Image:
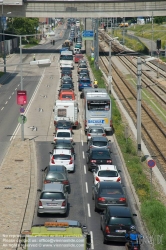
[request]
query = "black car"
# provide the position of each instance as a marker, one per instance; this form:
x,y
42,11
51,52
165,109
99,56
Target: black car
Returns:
x,y
83,75
66,72
63,124
67,86
63,144
56,174
98,156
66,80
84,70
115,222
107,193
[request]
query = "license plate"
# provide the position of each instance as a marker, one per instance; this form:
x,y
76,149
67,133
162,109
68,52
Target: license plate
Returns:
x,y
113,202
120,231
52,204
107,180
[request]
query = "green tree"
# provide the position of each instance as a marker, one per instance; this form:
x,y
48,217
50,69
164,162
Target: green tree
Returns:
x,y
159,19
22,25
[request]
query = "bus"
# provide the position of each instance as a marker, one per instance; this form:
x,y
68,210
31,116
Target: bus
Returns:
x,y
66,58
97,109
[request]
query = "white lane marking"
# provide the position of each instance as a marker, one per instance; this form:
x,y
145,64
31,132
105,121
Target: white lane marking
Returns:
x,y
29,104
81,131
9,97
15,88
86,185
13,93
82,143
2,108
92,244
89,214
83,155
6,102
84,169
18,85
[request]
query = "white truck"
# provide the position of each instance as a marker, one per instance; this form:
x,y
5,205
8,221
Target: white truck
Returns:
x,y
66,110
66,58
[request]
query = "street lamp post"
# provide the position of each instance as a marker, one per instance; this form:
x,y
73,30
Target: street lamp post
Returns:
x,y
110,66
3,37
139,87
152,37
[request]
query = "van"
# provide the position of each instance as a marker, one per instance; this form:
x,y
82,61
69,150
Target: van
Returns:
x,y
76,50
77,57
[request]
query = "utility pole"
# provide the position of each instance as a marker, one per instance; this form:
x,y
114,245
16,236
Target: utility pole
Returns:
x,y
123,29
96,45
152,37
139,73
109,72
4,54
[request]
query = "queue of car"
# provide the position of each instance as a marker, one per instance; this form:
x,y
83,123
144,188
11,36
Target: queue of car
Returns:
x,y
107,190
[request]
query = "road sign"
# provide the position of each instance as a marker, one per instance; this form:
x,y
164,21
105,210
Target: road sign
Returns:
x,y
87,33
22,119
21,97
151,163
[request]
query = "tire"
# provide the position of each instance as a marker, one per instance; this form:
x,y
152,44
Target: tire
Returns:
x,y
92,196
104,240
38,214
96,209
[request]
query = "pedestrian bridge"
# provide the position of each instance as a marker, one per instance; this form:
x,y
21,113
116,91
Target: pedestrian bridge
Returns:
x,y
84,8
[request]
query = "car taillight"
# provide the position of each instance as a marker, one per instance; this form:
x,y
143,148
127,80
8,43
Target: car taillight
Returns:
x,y
110,123
119,179
88,134
54,139
109,161
93,161
101,199
122,199
135,248
63,203
104,134
54,122
47,181
52,160
40,204
71,161
97,179
71,140
107,230
85,123
65,182
76,123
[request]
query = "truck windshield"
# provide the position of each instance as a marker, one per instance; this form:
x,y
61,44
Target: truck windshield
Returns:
x,y
66,57
98,105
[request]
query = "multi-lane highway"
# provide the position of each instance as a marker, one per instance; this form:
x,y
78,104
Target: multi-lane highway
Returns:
x,y
42,86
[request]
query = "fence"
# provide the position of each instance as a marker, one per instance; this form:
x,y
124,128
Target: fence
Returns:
x,y
10,46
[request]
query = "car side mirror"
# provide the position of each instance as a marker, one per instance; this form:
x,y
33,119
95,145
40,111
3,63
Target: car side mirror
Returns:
x,y
53,110
78,111
73,143
134,214
53,133
38,190
101,213
119,170
109,140
50,153
53,143
93,170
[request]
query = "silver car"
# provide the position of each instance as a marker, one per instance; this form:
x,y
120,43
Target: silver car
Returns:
x,y
99,142
53,199
95,131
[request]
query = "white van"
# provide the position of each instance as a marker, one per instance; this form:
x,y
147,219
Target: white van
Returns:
x,y
76,50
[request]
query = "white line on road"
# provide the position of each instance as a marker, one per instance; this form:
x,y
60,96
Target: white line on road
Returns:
x,y
9,97
6,102
84,169
13,93
15,88
86,185
83,155
2,108
89,214
18,85
92,244
82,143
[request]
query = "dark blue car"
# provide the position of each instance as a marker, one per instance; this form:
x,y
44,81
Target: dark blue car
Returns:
x,y
84,83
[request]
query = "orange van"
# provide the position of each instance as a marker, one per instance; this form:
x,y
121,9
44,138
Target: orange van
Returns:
x,y
66,95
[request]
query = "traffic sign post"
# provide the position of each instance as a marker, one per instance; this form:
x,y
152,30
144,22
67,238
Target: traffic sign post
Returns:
x,y
87,35
151,164
22,100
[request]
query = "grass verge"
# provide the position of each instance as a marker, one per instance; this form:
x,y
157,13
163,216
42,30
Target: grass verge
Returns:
x,y
153,212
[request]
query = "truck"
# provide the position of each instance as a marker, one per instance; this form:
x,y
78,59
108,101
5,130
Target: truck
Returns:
x,y
59,235
66,110
66,58
97,109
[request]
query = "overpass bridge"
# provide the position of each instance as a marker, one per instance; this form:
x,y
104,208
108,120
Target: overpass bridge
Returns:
x,y
83,8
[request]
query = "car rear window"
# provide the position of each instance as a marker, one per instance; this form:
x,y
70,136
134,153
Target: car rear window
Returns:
x,y
121,221
107,173
99,131
101,155
100,143
63,145
52,196
111,191
55,176
63,124
62,157
63,134
67,96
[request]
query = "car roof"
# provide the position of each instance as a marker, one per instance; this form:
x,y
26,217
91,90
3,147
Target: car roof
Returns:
x,y
99,138
62,151
63,130
100,149
58,168
119,211
95,127
67,91
110,184
54,187
107,167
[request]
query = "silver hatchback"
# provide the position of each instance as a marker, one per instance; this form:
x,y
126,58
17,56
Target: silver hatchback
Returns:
x,y
95,131
99,142
53,199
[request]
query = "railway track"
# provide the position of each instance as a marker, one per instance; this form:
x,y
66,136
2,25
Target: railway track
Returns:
x,y
153,130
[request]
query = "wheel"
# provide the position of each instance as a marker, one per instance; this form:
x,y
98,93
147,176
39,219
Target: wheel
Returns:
x,y
92,196
38,214
96,209
104,240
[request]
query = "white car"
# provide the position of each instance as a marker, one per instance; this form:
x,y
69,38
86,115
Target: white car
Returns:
x,y
62,157
64,134
106,173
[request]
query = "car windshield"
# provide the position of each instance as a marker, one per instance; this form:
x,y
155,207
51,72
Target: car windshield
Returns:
x,y
100,155
63,134
52,196
98,130
67,96
107,173
63,145
55,176
100,143
121,221
66,86
61,157
112,191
